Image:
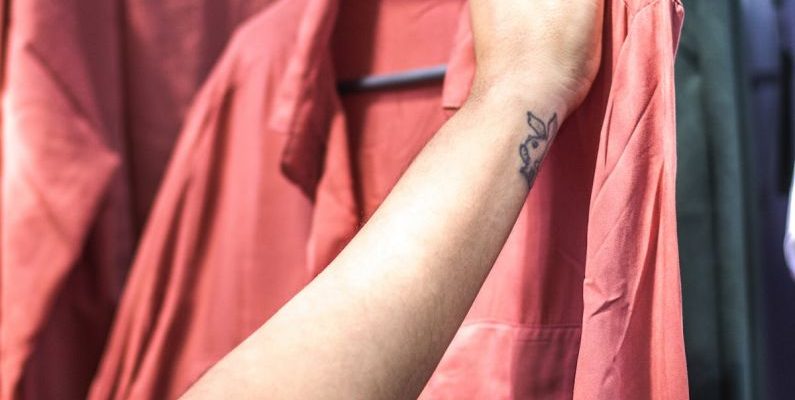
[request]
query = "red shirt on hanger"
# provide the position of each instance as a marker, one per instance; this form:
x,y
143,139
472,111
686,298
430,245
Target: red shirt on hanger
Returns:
x,y
94,93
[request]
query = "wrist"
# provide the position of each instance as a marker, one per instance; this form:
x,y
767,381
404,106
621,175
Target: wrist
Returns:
x,y
521,94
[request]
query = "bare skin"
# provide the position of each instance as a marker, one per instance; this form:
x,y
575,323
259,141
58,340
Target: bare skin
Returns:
x,y
376,322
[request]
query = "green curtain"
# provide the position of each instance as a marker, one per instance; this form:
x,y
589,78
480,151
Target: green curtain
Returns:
x,y
712,203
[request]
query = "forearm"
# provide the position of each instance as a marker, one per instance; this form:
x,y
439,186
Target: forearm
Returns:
x,y
375,323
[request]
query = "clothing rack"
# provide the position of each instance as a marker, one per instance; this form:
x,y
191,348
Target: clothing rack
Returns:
x,y
393,80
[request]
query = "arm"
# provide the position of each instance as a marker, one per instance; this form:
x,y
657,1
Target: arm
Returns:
x,y
376,322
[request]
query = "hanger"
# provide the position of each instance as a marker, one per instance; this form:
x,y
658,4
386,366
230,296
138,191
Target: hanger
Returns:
x,y
393,80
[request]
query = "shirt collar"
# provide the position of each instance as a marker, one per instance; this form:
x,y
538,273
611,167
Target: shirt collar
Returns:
x,y
307,100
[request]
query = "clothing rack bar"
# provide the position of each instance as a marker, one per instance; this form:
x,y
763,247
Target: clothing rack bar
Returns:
x,y
393,80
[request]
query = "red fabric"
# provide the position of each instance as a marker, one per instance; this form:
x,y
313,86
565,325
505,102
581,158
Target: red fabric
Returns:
x,y
61,145
584,300
169,47
225,244
94,92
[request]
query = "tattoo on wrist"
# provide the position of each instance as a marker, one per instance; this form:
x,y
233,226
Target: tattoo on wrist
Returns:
x,y
534,146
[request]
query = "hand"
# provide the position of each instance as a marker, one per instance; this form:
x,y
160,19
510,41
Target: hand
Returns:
x,y
546,47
